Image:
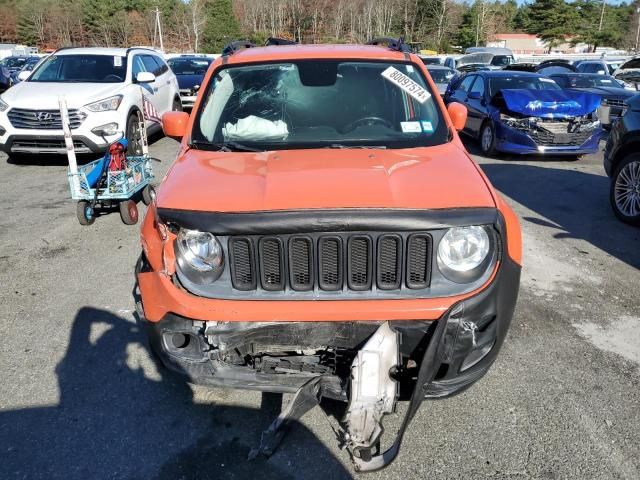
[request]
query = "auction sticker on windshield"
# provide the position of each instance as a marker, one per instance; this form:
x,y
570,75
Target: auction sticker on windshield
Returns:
x,y
398,78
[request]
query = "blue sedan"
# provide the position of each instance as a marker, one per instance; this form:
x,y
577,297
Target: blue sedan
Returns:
x,y
526,113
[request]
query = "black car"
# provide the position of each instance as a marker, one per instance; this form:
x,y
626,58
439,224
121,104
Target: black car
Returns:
x,y
611,91
622,164
5,78
28,66
190,71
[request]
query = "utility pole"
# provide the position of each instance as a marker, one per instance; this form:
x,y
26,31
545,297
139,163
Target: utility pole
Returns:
x,y
158,28
604,2
638,29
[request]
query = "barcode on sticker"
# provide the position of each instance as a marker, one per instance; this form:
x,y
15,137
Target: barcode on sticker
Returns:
x,y
398,78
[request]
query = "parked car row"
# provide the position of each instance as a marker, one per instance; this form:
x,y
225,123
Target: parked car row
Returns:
x,y
554,107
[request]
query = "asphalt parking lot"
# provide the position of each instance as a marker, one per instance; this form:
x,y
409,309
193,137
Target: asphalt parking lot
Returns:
x,y
80,397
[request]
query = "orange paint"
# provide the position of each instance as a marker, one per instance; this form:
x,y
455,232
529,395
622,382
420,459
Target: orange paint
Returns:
x,y
420,178
439,177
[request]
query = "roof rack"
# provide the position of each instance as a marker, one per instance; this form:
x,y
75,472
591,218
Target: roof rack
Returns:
x,y
396,44
233,47
279,41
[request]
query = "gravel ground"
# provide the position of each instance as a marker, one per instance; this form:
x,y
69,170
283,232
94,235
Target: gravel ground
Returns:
x,y
81,398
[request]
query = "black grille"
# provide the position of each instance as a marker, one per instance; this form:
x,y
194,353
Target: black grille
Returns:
x,y
359,263
43,119
301,263
418,261
389,262
615,102
46,144
331,262
271,264
243,274
547,138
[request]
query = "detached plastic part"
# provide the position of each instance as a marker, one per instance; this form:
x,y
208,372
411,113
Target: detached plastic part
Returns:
x,y
373,392
426,374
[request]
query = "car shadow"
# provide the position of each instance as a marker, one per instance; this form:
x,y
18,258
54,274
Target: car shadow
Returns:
x,y
573,204
118,417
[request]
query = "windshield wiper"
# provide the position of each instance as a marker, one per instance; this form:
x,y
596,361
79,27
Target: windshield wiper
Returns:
x,y
224,146
340,145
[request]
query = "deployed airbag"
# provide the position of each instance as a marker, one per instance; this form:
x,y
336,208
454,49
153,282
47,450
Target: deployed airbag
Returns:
x,y
550,103
255,128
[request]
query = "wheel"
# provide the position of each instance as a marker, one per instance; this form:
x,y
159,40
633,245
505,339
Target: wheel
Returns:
x,y
148,194
177,105
624,193
488,139
134,135
85,212
129,212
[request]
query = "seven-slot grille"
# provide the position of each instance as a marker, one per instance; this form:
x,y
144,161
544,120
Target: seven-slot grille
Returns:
x,y
43,119
331,262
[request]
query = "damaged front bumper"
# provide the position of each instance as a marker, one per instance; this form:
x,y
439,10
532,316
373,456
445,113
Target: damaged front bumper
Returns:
x,y
519,142
412,359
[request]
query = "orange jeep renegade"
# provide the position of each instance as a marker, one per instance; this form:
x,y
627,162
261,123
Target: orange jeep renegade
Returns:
x,y
324,232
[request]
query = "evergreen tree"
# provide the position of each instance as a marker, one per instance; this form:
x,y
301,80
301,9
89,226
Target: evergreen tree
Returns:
x,y
221,27
552,20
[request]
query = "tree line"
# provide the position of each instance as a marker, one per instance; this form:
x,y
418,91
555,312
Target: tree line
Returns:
x,y
207,25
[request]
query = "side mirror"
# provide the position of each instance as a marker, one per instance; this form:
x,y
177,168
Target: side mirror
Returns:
x,y
458,115
145,77
174,124
474,96
23,75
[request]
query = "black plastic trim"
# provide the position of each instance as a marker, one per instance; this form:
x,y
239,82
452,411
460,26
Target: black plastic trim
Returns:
x,y
367,285
272,287
429,262
337,220
326,286
300,287
399,255
252,264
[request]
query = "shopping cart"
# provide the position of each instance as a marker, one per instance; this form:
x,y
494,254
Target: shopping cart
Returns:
x,y
109,181
95,186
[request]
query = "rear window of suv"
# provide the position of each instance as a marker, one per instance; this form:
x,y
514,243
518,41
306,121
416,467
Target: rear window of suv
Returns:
x,y
311,104
81,69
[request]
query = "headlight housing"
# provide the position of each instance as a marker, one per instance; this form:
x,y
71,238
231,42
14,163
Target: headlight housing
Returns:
x,y
464,253
199,255
111,103
3,105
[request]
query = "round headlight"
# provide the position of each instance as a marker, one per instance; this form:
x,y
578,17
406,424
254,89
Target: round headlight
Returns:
x,y
463,249
200,255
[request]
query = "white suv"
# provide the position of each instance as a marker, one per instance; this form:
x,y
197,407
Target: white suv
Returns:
x,y
106,90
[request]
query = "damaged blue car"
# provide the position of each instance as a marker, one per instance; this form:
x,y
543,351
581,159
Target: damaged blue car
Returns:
x,y
526,113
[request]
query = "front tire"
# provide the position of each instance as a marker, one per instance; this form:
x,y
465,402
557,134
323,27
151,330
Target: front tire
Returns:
x,y
129,212
488,139
85,213
624,193
148,194
134,135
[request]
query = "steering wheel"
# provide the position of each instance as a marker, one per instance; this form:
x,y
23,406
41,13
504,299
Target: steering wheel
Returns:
x,y
371,120
112,77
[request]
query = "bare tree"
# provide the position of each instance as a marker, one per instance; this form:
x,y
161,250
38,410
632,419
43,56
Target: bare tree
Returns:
x,y
198,21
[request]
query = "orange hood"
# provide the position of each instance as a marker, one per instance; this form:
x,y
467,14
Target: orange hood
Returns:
x,y
421,178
